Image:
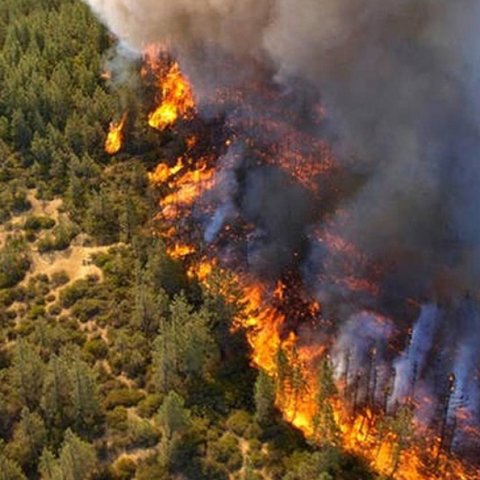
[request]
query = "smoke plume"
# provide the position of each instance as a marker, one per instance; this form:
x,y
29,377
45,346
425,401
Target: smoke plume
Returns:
x,y
399,79
400,83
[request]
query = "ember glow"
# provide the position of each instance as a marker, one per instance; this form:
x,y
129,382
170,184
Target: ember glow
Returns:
x,y
114,140
203,224
330,166
175,96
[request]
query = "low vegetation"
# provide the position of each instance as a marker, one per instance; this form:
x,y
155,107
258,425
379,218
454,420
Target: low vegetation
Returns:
x,y
129,371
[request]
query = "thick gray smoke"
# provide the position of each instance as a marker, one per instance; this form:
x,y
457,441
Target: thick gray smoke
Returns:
x,y
400,81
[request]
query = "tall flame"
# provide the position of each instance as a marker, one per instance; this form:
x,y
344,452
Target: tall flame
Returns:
x,y
176,99
184,182
114,140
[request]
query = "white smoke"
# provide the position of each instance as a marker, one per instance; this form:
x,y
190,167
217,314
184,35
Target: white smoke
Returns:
x,y
410,365
400,81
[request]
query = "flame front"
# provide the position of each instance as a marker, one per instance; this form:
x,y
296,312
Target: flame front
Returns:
x,y
114,141
192,175
176,99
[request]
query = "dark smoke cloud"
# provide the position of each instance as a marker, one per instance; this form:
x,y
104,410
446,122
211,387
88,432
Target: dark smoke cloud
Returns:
x,y
400,80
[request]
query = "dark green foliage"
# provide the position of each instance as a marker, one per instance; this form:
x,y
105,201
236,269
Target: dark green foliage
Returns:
x,y
97,348
27,373
50,57
264,398
326,428
327,464
137,372
184,348
226,451
9,470
124,397
34,223
239,422
79,290
59,239
14,262
76,460
29,438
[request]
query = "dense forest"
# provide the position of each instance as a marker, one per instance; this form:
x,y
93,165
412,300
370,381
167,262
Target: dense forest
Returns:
x,y
114,363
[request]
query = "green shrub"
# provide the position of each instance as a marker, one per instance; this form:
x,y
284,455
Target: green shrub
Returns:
x,y
239,421
36,223
59,239
7,297
124,397
97,348
55,309
73,293
226,451
117,419
124,469
141,433
87,308
59,278
14,262
36,311
150,405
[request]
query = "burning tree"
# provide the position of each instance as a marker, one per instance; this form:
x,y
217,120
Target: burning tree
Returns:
x,y
400,428
326,429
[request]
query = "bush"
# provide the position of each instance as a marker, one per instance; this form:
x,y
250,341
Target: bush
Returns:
x,y
14,262
226,451
34,223
59,239
150,405
97,348
124,397
60,278
78,290
124,469
36,311
141,433
239,421
117,419
55,309
87,308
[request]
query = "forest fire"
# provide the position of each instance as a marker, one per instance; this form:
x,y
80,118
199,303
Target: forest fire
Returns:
x,y
376,404
175,95
114,140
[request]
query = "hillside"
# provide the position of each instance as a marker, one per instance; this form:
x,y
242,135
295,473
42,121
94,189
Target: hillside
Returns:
x,y
115,362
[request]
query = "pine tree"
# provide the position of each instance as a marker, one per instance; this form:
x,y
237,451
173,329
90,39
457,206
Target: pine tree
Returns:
x,y
264,398
77,460
27,374
29,438
57,391
184,347
9,470
298,382
283,376
325,425
400,425
85,399
173,419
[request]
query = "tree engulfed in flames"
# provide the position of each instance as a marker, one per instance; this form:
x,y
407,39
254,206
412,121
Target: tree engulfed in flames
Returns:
x,y
176,99
185,182
114,140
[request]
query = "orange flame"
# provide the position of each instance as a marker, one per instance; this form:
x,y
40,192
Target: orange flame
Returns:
x,y
114,141
176,99
185,182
